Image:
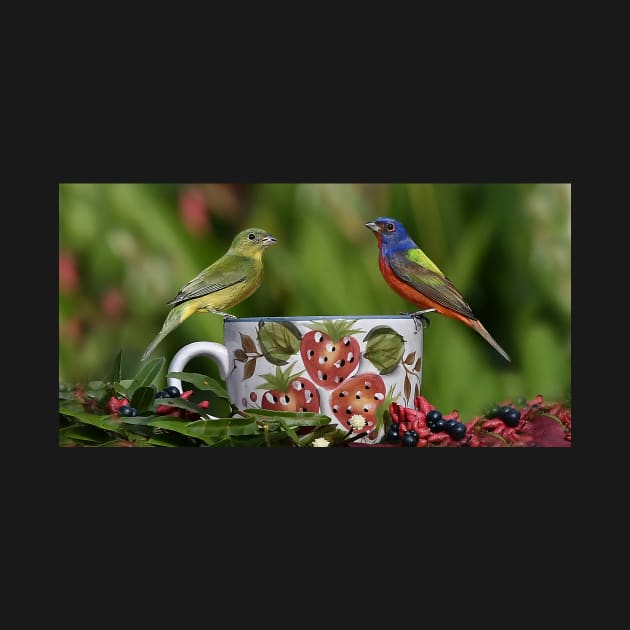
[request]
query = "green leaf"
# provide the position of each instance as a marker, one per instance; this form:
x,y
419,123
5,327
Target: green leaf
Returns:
x,y
336,329
201,381
228,441
279,341
122,387
290,432
143,397
320,432
280,380
180,403
108,423
146,375
293,418
383,417
116,373
170,439
384,348
139,439
139,430
138,420
208,430
82,432
64,441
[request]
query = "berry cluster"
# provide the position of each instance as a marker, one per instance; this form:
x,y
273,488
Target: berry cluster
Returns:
x,y
532,424
519,423
122,407
424,426
510,416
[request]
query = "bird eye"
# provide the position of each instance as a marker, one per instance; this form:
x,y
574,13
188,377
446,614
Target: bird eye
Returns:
x,y
251,236
390,227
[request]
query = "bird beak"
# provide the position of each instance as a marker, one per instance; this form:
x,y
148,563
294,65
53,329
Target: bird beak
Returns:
x,y
269,240
373,226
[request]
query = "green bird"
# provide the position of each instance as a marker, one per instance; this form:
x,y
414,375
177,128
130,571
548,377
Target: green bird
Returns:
x,y
225,283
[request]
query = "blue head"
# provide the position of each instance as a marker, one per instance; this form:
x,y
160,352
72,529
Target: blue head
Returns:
x,y
391,235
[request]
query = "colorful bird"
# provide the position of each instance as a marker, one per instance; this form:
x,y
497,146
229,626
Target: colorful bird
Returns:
x,y
415,277
225,283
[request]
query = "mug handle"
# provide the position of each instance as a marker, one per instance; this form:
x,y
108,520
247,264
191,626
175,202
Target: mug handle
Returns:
x,y
216,351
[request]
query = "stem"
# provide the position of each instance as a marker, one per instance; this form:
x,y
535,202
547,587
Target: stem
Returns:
x,y
497,435
346,440
266,430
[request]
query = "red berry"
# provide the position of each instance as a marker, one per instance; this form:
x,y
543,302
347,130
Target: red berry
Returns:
x,y
114,404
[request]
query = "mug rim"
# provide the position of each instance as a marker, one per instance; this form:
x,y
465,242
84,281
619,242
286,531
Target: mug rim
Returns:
x,y
310,318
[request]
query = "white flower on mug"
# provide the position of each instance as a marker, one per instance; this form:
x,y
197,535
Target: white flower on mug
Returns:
x,y
321,442
357,422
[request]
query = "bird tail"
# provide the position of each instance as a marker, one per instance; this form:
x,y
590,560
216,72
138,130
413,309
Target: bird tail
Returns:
x,y
476,325
175,317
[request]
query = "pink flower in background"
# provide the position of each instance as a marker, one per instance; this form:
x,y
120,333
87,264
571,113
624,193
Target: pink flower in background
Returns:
x,y
194,212
68,273
113,303
71,329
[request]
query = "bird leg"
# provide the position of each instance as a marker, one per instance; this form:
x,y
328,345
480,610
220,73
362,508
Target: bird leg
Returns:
x,y
419,315
226,315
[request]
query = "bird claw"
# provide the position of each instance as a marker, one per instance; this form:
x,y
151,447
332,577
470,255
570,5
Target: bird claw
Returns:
x,y
419,315
224,315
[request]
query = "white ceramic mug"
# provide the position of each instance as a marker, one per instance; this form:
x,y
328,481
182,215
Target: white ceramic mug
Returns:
x,y
343,366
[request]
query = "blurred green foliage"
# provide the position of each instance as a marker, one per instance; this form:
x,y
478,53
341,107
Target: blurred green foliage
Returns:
x,y
126,249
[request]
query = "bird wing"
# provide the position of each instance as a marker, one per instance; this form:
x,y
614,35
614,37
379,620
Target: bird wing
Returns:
x,y
223,273
435,286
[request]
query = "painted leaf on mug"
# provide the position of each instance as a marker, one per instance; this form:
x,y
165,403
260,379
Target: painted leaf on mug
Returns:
x,y
249,345
411,374
249,369
278,341
384,348
248,355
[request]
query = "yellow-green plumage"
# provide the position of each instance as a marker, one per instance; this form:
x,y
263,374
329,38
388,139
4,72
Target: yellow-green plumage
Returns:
x,y
225,283
420,258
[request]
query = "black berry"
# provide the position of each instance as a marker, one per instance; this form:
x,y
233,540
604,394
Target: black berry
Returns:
x,y
503,411
432,416
409,439
126,410
449,424
172,391
393,433
511,417
438,425
493,413
457,431
162,394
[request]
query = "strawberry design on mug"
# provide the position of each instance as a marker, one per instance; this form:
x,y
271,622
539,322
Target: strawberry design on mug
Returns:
x,y
361,395
289,392
330,353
